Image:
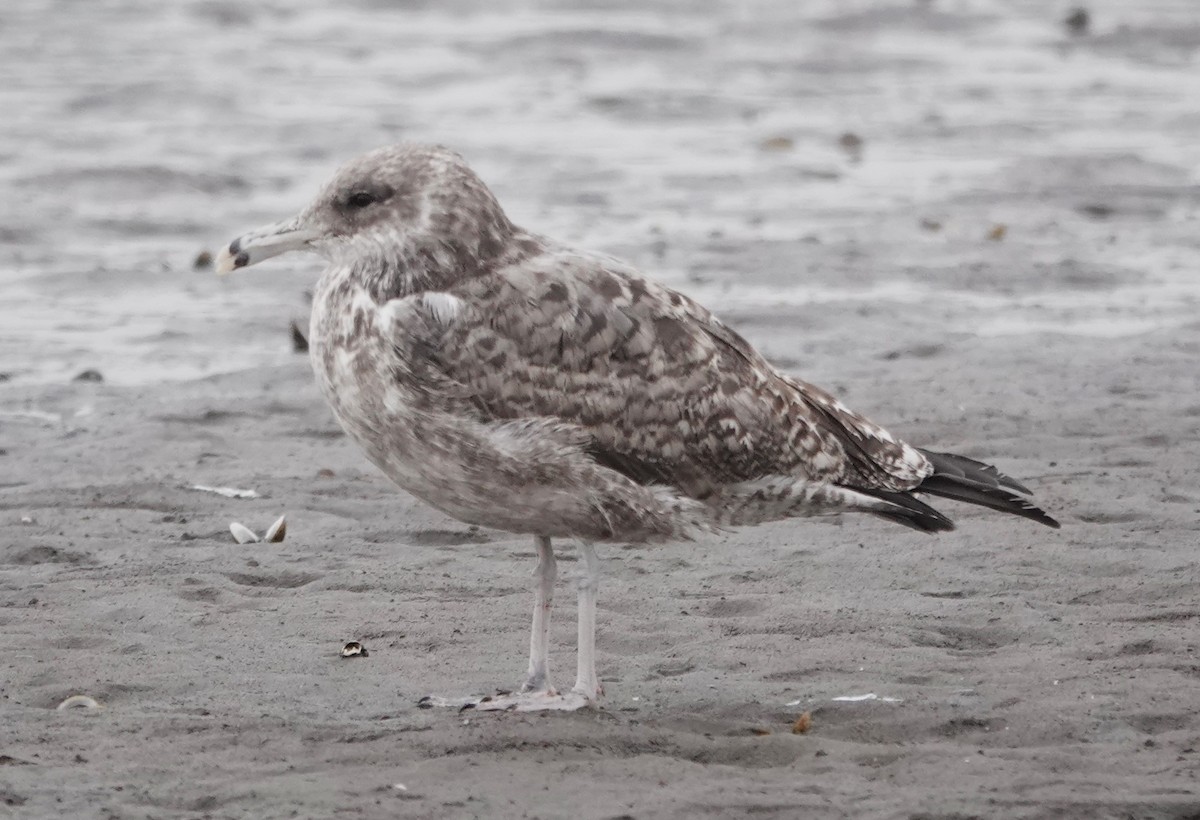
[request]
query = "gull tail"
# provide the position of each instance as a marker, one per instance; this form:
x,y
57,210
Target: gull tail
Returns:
x,y
961,479
964,479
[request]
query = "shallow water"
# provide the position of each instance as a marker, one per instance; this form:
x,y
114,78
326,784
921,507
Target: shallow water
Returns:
x,y
705,147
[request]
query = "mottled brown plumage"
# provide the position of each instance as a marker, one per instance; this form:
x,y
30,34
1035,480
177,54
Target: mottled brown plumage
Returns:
x,y
519,384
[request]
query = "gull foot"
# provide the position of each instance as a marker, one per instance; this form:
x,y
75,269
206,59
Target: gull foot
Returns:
x,y
546,700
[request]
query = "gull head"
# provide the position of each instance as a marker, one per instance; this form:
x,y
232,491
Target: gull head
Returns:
x,y
409,211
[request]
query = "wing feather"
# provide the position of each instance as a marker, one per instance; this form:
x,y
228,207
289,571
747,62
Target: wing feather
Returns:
x,y
665,392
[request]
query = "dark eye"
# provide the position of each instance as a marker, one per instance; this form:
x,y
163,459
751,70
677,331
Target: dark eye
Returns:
x,y
360,199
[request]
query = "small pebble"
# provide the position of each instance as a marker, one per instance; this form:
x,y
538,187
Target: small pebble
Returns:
x,y
1078,22
203,260
299,340
89,376
1096,210
852,144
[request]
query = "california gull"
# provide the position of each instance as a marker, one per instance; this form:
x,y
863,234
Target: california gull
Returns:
x,y
517,383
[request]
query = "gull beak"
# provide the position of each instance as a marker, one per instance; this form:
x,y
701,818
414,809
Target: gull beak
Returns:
x,y
263,243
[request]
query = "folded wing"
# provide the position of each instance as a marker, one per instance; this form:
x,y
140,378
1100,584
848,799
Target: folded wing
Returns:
x,y
665,392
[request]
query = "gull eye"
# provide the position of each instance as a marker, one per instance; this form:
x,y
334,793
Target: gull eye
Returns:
x,y
360,199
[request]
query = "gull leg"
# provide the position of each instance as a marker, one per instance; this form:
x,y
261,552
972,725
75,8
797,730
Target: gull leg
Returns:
x,y
537,694
539,639
587,684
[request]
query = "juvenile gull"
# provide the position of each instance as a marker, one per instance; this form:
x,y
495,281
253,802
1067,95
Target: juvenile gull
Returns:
x,y
516,383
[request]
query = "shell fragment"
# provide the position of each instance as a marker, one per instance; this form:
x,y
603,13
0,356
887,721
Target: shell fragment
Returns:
x,y
227,492
354,649
277,531
79,702
243,534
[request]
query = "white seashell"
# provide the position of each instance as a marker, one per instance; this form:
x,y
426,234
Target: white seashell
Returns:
x,y
277,531
79,702
243,535
227,492
866,697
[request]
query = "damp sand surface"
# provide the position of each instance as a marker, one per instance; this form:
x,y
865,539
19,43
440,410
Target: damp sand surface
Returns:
x,y
972,225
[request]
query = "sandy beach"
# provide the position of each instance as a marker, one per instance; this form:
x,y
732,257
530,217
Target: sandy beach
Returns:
x,y
974,226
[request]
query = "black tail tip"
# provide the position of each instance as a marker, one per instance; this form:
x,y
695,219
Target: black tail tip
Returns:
x,y
965,479
1052,523
911,512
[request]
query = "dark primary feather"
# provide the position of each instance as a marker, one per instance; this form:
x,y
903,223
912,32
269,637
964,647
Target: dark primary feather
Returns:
x,y
911,512
964,479
950,465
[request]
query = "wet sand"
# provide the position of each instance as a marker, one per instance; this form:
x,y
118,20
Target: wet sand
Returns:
x,y
1019,672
